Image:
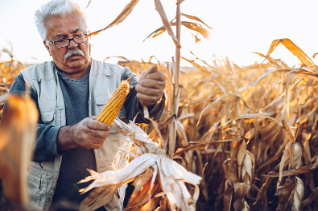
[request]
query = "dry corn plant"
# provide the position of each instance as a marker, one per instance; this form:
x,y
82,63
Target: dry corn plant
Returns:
x,y
249,133
250,127
18,133
177,194
254,147
155,175
8,71
234,123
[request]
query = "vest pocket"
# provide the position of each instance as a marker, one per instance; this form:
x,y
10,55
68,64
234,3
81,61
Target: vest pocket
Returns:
x,y
39,181
101,101
47,110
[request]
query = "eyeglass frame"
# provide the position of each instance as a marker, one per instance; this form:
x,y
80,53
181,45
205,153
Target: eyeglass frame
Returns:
x,y
69,40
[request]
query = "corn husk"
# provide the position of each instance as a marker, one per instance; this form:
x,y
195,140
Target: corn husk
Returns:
x,y
169,174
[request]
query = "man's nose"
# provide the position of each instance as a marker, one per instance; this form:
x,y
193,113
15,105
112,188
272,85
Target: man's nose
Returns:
x,y
72,44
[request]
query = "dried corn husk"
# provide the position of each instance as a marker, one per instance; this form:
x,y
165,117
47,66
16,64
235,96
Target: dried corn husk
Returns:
x,y
293,152
239,174
171,176
298,194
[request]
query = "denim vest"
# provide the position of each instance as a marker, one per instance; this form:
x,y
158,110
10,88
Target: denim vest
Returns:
x,y
104,78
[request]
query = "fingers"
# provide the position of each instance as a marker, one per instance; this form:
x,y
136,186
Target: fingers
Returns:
x,y
155,80
93,124
94,140
149,95
96,146
151,92
93,146
90,133
102,134
153,69
150,86
146,100
158,76
88,141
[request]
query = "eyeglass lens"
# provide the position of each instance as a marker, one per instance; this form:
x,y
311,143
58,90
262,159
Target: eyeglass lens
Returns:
x,y
66,42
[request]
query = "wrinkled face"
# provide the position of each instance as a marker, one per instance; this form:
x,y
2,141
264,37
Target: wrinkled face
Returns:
x,y
68,27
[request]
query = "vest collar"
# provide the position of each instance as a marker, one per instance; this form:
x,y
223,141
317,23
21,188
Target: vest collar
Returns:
x,y
101,68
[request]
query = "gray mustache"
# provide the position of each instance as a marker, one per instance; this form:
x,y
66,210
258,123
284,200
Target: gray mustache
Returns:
x,y
72,53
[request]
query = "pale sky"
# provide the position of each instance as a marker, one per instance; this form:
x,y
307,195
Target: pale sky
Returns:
x,y
239,28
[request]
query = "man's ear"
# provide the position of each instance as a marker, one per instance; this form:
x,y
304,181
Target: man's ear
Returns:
x,y
46,46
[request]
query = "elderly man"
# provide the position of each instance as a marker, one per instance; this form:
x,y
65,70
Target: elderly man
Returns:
x,y
70,92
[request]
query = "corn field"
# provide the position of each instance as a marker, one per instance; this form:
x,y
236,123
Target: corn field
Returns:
x,y
248,132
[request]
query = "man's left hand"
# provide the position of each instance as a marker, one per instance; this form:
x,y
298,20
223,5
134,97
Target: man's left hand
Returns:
x,y
150,86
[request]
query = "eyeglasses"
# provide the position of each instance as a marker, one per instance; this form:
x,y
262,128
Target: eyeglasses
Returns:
x,y
66,42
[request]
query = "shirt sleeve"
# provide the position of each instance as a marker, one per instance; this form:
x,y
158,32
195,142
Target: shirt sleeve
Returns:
x,y
46,142
132,105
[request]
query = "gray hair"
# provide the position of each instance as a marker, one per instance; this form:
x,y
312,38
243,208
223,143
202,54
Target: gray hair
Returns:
x,y
59,8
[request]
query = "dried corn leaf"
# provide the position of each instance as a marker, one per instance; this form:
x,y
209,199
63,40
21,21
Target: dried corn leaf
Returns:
x,y
227,197
271,60
155,33
312,197
120,18
195,18
172,175
214,103
196,38
285,198
248,168
250,118
273,46
288,156
294,49
142,179
263,189
139,200
240,156
98,197
165,22
195,27
298,195
240,191
182,136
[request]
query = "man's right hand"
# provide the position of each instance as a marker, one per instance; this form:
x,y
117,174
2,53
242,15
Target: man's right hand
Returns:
x,y
88,133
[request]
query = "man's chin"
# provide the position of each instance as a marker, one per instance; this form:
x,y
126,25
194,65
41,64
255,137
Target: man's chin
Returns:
x,y
76,62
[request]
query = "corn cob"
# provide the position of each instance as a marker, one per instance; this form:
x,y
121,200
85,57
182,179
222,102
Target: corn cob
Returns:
x,y
114,104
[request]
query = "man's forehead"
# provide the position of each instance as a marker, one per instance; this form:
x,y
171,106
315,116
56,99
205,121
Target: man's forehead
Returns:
x,y
63,26
63,34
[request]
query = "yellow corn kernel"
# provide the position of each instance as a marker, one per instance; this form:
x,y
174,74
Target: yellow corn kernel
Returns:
x,y
105,116
114,104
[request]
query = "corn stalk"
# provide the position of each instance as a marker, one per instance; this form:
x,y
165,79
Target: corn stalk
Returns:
x,y
178,57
